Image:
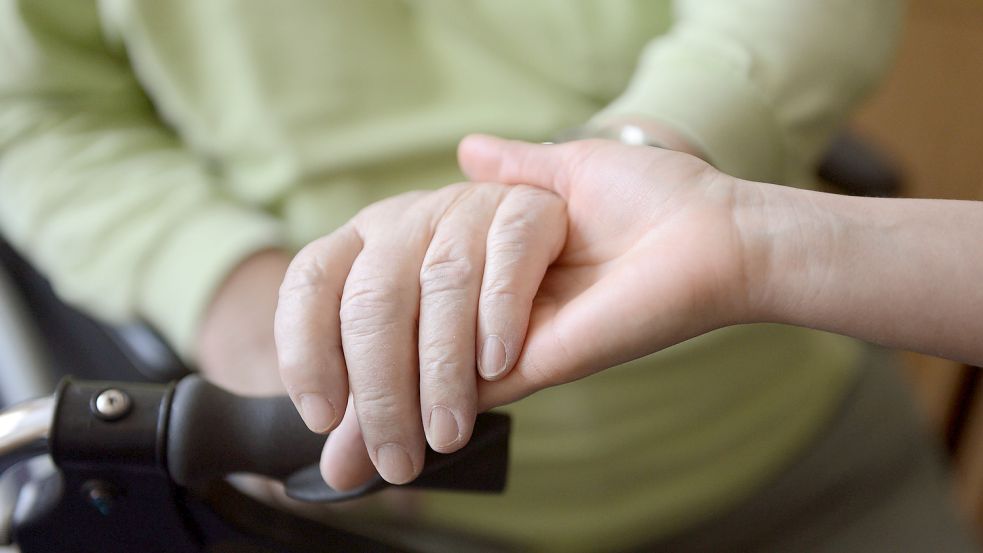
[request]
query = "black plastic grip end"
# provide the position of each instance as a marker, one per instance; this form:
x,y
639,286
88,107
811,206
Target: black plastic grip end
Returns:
x,y
213,433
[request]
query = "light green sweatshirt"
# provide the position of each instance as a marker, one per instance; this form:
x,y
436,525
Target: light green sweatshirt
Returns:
x,y
146,147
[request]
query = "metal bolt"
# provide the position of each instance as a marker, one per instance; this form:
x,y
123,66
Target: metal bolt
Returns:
x,y
111,404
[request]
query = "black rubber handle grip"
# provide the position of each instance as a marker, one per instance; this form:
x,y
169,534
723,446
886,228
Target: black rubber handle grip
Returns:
x,y
212,433
480,466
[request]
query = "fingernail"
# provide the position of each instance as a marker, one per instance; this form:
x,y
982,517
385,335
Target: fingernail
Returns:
x,y
444,431
394,463
318,412
491,365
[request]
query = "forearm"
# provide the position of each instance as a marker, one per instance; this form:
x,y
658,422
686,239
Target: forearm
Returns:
x,y
123,218
235,340
901,273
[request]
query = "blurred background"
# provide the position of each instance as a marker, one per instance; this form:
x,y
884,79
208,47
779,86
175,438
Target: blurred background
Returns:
x,y
928,118
926,121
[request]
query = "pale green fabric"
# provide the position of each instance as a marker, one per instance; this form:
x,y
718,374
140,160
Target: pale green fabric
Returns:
x,y
147,147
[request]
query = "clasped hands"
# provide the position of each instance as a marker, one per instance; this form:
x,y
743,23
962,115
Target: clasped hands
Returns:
x,y
555,262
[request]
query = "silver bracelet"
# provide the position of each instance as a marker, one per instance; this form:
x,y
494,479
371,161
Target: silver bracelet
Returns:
x,y
629,134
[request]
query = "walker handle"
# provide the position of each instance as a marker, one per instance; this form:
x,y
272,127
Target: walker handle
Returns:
x,y
213,433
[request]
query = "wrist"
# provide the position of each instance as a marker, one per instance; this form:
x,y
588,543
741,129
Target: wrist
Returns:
x,y
791,239
635,130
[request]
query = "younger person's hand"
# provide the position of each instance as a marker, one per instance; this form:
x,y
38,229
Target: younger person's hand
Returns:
x,y
661,247
655,254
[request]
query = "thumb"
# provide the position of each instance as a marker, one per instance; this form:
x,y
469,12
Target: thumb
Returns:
x,y
488,158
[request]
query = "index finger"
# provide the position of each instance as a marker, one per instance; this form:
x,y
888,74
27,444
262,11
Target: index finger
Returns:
x,y
307,328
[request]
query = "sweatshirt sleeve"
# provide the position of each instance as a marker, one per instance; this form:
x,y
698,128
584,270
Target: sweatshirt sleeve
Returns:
x,y
761,85
124,220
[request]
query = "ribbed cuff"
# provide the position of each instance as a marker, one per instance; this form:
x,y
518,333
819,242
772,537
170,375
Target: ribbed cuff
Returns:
x,y
186,270
705,94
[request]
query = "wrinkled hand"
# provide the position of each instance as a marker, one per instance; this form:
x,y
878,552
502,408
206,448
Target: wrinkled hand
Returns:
x,y
400,307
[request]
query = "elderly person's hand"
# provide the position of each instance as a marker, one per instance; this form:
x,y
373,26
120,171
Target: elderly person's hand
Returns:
x,y
403,307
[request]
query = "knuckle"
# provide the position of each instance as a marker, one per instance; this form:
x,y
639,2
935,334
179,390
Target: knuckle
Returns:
x,y
499,291
441,370
305,274
369,293
507,247
377,407
305,368
533,194
457,190
439,347
367,326
538,208
296,382
368,306
514,238
518,225
448,377
388,208
446,268
291,368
